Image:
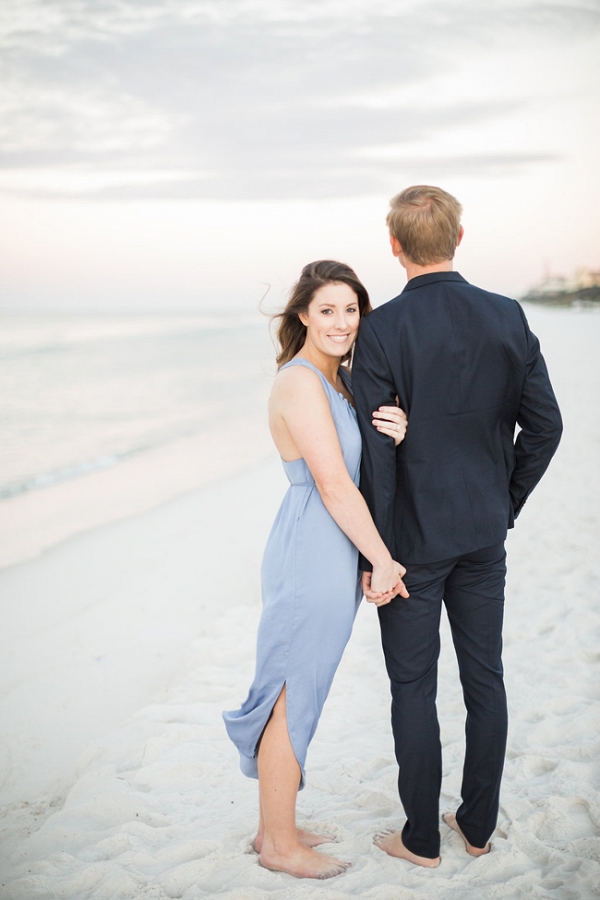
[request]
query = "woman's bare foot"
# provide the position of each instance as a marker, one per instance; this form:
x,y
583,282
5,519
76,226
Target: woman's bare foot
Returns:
x,y
308,838
391,842
450,820
302,862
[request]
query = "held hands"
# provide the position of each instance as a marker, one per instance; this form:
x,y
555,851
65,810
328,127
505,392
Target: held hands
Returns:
x,y
391,420
381,577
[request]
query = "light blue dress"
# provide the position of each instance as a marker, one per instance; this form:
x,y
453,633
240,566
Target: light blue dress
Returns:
x,y
311,592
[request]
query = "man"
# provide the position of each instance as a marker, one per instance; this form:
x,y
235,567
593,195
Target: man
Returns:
x,y
466,369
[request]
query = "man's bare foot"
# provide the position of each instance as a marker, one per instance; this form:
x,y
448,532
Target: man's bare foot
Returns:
x,y
302,862
308,838
450,820
391,842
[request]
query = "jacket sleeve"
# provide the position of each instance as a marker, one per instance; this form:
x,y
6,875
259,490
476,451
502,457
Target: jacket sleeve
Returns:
x,y
373,386
540,422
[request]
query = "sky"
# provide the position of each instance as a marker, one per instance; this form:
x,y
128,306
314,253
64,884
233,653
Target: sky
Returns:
x,y
193,154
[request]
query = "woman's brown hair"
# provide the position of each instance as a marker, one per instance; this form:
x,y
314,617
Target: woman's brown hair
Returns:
x,y
291,333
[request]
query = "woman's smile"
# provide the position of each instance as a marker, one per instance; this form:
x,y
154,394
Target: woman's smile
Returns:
x,y
332,320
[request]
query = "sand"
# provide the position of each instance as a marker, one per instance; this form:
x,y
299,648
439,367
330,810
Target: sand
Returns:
x,y
124,644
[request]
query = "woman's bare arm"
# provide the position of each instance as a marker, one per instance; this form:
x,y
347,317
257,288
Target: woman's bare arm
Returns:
x,y
301,417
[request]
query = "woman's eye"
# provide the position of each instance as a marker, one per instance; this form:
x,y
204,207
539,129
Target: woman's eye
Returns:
x,y
351,309
326,311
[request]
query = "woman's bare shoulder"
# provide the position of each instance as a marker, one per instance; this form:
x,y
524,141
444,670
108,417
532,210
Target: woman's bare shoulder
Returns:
x,y
294,382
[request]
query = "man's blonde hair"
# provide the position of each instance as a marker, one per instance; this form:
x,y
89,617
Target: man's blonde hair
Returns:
x,y
425,221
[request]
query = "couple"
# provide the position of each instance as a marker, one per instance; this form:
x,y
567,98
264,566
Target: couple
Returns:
x,y
466,370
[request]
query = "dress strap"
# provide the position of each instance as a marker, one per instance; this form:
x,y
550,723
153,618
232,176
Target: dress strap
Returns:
x,y
300,361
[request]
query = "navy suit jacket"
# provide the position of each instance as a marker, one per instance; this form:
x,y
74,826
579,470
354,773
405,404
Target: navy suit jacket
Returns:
x,y
467,370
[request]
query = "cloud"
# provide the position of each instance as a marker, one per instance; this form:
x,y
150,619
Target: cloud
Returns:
x,y
266,183
324,183
258,99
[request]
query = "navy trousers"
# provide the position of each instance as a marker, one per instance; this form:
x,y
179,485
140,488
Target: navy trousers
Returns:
x,y
472,588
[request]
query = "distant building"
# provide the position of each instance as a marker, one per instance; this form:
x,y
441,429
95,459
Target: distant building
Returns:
x,y
583,289
587,278
551,284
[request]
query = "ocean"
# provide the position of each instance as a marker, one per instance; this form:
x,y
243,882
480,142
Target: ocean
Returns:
x,y
82,394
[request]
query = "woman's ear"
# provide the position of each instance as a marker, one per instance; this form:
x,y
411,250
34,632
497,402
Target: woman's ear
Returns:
x,y
303,318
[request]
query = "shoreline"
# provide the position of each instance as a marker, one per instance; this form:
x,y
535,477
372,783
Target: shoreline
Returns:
x,y
35,521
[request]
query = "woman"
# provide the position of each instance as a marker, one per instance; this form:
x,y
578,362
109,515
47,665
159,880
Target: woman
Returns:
x,y
310,577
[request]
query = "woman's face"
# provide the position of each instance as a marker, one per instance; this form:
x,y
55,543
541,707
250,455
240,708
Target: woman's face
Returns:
x,y
332,319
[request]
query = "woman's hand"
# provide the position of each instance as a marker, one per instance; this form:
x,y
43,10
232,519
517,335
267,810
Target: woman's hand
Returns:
x,y
376,584
391,420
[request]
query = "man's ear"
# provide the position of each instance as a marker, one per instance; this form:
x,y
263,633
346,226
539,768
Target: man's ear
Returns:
x,y
461,232
395,245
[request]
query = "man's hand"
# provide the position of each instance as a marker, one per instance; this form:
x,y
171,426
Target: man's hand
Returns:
x,y
378,598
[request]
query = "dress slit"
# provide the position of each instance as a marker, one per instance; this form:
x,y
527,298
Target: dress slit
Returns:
x,y
287,720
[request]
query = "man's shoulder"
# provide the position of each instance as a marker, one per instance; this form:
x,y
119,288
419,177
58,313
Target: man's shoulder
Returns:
x,y
492,296
498,307
388,310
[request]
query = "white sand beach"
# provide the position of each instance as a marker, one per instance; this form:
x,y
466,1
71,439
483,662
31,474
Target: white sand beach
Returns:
x,y
122,643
